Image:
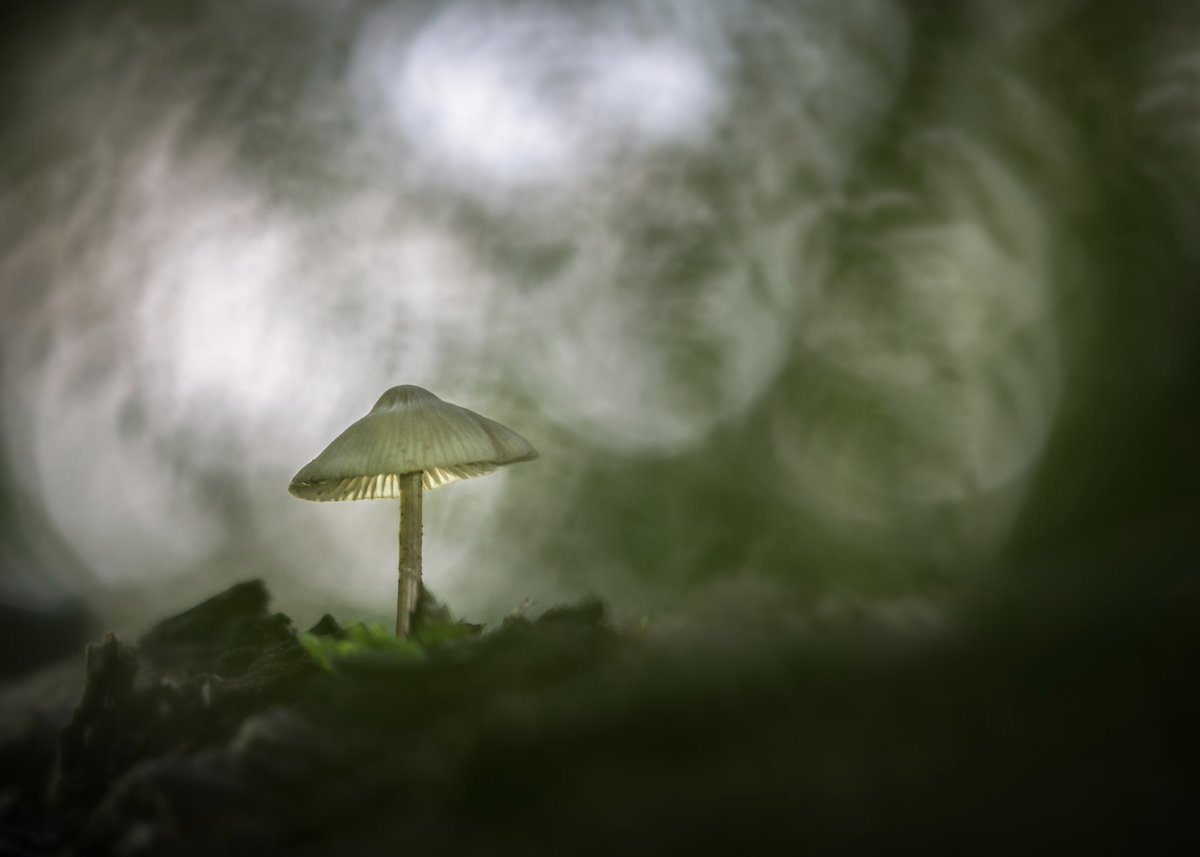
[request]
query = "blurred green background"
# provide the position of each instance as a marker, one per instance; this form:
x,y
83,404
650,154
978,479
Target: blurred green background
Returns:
x,y
841,306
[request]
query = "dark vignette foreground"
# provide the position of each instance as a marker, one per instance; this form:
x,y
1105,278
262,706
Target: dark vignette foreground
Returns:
x,y
1072,726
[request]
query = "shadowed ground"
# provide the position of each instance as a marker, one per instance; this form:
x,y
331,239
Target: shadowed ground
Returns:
x,y
1022,722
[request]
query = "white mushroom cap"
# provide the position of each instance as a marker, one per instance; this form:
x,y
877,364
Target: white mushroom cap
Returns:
x,y
409,430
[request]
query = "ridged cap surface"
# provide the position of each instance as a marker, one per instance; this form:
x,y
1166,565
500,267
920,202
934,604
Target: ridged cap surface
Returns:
x,y
409,430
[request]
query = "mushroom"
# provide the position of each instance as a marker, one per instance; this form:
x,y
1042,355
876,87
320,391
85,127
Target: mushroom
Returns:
x,y
411,441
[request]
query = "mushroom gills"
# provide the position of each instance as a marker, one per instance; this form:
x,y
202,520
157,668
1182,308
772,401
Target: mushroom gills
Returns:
x,y
386,486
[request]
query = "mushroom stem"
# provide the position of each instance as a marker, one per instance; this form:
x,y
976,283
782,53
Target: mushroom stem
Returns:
x,y
409,587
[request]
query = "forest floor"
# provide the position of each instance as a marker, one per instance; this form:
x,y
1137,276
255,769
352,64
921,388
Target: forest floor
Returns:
x,y
223,730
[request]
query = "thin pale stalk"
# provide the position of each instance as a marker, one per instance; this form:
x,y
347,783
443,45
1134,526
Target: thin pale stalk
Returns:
x,y
409,587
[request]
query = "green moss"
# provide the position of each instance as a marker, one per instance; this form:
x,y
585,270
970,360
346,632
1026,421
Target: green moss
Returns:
x,y
358,640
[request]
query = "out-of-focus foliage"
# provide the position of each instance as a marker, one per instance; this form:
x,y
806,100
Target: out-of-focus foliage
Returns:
x,y
856,300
